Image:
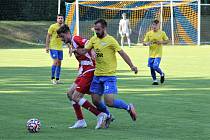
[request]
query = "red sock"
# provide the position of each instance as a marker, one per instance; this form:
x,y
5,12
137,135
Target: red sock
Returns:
x,y
78,111
87,105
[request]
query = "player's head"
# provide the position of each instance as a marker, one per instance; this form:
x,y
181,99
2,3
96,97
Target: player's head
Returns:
x,y
64,33
124,15
155,25
100,28
60,19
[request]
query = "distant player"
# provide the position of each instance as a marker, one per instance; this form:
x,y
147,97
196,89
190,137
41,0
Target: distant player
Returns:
x,y
155,39
54,46
125,29
82,83
105,80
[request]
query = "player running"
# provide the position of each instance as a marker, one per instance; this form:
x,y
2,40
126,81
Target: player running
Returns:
x,y
155,39
82,83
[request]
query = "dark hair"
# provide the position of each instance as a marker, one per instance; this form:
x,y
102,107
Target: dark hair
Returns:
x,y
58,15
156,21
102,22
63,29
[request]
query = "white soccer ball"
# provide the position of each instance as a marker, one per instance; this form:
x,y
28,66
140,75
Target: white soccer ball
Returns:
x,y
33,125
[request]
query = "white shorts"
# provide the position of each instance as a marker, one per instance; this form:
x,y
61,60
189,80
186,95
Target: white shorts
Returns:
x,y
125,34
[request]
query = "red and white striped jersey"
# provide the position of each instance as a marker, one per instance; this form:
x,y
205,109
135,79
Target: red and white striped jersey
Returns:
x,y
85,60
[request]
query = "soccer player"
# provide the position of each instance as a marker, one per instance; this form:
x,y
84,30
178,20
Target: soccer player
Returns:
x,y
105,80
155,39
125,29
54,46
82,83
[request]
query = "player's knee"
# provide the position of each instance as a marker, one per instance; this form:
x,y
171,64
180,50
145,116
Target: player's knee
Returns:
x,y
59,63
95,102
69,96
76,96
109,103
55,63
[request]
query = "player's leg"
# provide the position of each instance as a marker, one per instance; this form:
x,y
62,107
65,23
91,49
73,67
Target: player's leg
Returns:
x,y
152,70
110,89
122,40
54,56
83,87
128,39
156,67
101,117
58,70
96,90
80,123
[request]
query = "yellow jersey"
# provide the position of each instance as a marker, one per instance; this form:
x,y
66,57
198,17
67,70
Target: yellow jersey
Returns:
x,y
55,42
105,48
155,50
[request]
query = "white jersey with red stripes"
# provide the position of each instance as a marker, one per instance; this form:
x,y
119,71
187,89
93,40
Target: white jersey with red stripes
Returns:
x,y
86,63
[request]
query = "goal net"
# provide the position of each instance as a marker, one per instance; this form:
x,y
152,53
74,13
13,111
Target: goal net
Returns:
x,y
179,18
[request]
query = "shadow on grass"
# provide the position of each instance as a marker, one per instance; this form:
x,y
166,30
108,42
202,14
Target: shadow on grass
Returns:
x,y
37,79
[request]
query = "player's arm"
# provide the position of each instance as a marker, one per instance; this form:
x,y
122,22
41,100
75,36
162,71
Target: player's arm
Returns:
x,y
88,46
164,42
127,59
93,54
146,41
48,37
70,49
165,39
81,51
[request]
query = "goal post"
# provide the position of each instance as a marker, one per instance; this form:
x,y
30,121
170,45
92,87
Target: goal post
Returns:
x,y
180,19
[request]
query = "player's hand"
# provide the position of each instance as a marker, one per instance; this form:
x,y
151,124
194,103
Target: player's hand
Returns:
x,y
74,50
147,44
159,42
93,54
70,49
135,69
47,49
70,52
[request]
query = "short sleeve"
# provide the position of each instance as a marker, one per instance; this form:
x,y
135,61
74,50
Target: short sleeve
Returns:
x,y
80,41
116,45
89,45
165,37
146,38
50,30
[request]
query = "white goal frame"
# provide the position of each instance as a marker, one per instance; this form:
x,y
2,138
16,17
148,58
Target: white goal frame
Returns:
x,y
161,16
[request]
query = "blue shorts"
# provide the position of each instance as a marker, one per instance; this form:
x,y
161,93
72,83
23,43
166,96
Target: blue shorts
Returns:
x,y
56,54
104,85
154,62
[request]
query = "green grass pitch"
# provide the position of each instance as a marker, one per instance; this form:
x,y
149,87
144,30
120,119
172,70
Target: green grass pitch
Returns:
x,y
177,110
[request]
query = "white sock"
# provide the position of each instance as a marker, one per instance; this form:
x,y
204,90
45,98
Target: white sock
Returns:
x,y
128,108
82,101
73,102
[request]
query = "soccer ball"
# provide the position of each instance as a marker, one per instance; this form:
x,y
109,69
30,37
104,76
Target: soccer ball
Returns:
x,y
33,125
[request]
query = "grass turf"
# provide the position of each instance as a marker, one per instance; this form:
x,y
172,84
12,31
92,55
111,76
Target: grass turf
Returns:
x,y
177,110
